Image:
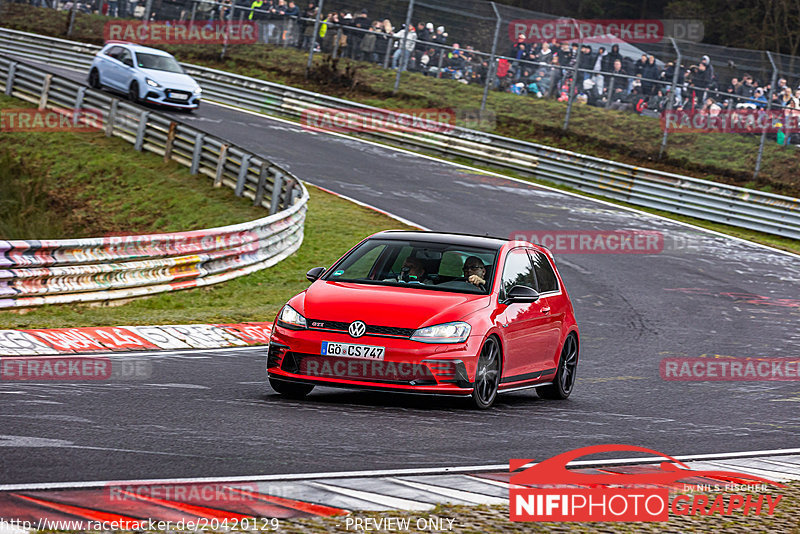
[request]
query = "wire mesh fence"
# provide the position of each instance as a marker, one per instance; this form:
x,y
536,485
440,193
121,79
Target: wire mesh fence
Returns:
x,y
507,49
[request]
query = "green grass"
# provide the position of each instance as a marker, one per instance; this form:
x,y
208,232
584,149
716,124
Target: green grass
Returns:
x,y
88,185
621,136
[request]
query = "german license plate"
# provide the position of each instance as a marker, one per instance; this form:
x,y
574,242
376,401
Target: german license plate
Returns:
x,y
179,96
348,350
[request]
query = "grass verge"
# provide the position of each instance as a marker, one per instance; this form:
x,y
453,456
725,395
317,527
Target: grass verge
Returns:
x,y
620,136
84,184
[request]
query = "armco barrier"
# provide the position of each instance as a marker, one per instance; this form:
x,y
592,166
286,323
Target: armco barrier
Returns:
x,y
712,201
33,273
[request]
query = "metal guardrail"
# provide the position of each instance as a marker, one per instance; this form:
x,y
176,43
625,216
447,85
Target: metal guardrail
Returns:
x,y
41,272
684,195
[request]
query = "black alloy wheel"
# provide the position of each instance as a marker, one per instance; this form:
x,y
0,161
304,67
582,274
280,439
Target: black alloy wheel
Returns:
x,y
487,376
564,382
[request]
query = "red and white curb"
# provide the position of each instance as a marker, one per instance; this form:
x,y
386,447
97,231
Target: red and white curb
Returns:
x,y
36,342
327,494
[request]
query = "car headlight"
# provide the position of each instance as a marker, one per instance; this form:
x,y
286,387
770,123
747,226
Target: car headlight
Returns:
x,y
456,332
198,91
289,318
151,83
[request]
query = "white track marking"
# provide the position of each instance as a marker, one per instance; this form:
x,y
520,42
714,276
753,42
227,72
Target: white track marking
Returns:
x,y
461,495
384,500
392,472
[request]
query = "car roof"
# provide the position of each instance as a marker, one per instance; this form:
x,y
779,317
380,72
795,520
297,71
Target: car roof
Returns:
x,y
467,240
139,48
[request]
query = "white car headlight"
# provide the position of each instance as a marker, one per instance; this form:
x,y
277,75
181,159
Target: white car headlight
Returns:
x,y
151,83
198,91
290,317
456,332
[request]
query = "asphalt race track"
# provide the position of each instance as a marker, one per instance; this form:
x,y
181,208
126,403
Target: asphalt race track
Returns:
x,y
212,413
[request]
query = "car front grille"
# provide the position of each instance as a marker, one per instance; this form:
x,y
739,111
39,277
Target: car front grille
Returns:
x,y
315,365
171,98
375,330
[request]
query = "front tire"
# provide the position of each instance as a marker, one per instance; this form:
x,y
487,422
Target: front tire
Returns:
x,y
564,382
133,92
291,390
487,375
94,79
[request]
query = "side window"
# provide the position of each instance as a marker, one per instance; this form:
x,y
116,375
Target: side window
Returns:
x,y
113,52
545,275
518,271
125,56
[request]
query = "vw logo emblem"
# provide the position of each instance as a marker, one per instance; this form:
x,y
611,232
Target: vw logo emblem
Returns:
x,y
357,328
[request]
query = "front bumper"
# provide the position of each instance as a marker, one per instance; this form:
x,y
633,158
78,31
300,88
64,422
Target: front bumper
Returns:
x,y
172,97
408,366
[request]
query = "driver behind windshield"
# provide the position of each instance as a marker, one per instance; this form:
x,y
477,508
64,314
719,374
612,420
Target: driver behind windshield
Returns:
x,y
475,271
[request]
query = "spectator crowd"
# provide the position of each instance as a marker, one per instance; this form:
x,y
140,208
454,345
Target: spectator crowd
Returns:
x,y
605,77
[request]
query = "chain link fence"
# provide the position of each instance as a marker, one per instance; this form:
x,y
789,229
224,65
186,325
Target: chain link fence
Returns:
x,y
478,43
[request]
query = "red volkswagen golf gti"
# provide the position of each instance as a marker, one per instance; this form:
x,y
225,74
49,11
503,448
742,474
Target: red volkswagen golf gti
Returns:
x,y
433,313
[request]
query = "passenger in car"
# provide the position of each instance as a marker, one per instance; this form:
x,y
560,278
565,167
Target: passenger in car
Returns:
x,y
412,272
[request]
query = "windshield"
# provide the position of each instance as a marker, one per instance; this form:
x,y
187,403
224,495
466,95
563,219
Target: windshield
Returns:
x,y
157,62
434,266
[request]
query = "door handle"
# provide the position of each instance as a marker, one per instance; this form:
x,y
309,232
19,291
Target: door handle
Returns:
x,y
546,309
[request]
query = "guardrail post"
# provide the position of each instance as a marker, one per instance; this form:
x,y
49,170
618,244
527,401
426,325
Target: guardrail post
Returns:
x,y
170,141
489,72
403,59
441,60
314,37
242,178
78,104
223,156
12,71
277,188
140,130
610,91
769,107
388,52
574,77
198,150
112,117
262,183
671,99
71,25
45,91
336,42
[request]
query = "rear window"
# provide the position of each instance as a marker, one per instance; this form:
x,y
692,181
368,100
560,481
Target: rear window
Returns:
x,y
545,276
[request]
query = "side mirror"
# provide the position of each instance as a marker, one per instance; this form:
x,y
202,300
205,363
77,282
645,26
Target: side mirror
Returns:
x,y
315,273
522,294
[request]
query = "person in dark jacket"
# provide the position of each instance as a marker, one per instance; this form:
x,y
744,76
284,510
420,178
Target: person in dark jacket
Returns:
x,y
586,63
611,57
649,72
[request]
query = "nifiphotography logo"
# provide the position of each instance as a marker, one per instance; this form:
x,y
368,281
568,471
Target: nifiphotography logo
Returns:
x,y
548,491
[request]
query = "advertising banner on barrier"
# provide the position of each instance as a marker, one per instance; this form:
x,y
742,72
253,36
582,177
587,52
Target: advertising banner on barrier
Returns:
x,y
161,32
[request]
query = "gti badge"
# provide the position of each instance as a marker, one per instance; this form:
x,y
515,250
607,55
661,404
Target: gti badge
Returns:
x,y
357,328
